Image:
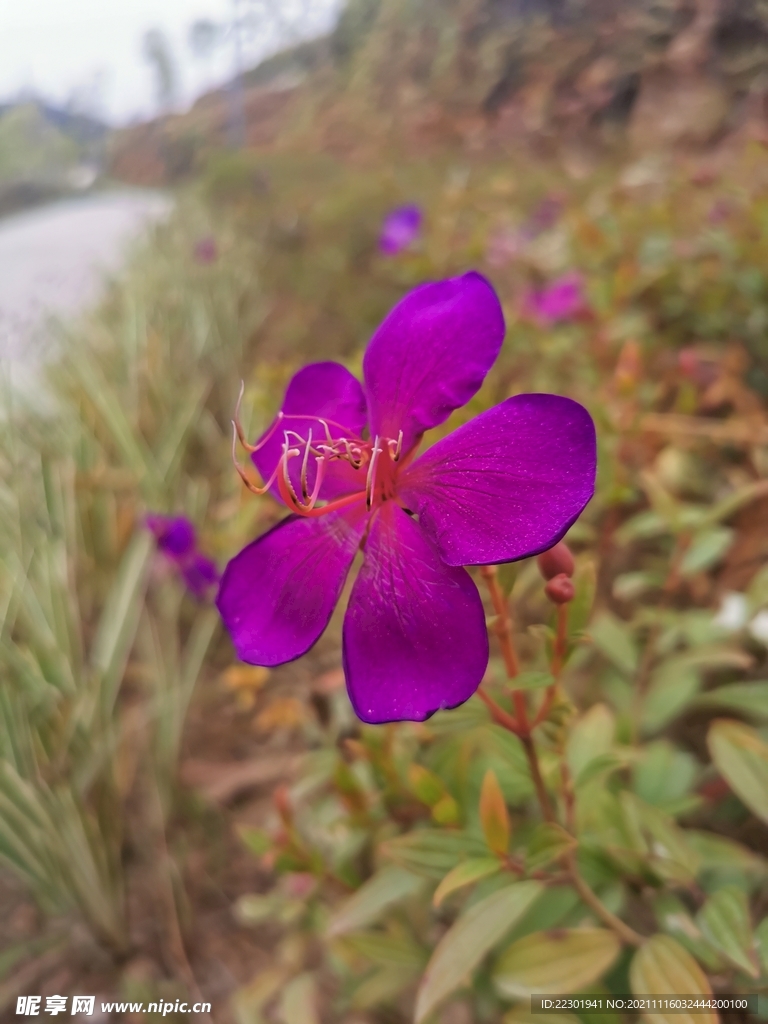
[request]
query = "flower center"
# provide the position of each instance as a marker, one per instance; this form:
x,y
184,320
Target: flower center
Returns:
x,y
379,458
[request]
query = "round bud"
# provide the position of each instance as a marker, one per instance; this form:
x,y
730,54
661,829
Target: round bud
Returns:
x,y
556,561
560,590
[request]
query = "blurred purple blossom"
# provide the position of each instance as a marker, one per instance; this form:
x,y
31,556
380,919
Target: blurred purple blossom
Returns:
x,y
401,227
206,250
176,539
507,244
544,216
720,211
563,299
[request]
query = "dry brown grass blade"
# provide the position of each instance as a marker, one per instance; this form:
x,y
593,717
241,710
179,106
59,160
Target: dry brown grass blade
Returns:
x,y
222,783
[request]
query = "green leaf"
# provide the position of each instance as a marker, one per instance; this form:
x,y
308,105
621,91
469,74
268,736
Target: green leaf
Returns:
x,y
603,764
249,1001
432,852
383,986
731,504
761,942
724,922
385,888
580,608
120,618
741,757
533,681
256,839
748,698
425,785
387,950
592,736
674,919
642,526
706,549
716,853
613,638
494,816
298,1001
663,775
667,695
466,873
446,811
661,965
555,962
631,585
467,942
548,842
253,909
669,853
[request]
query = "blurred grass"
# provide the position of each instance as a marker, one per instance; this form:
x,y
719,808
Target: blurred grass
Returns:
x,y
99,651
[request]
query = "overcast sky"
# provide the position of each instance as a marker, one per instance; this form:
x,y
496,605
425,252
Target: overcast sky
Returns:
x,y
57,48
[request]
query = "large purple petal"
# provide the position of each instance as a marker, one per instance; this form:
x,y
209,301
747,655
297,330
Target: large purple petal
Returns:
x,y
414,633
431,355
506,485
277,595
320,391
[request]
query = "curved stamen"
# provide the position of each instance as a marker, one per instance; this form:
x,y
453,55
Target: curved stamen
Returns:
x,y
371,480
284,479
251,448
259,491
304,461
395,447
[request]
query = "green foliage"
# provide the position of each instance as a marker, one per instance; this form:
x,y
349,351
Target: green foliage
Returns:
x,y
99,648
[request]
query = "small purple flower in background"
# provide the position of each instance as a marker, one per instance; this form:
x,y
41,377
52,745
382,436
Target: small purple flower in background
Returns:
x,y
206,250
720,211
544,216
506,244
502,487
561,300
400,228
176,539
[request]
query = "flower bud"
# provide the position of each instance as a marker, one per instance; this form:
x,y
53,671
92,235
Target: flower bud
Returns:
x,y
558,560
560,590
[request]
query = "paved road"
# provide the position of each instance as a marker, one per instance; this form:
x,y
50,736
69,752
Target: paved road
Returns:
x,y
53,261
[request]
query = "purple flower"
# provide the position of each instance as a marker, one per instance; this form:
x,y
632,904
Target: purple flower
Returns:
x,y
544,217
399,229
176,539
561,300
206,250
504,486
720,211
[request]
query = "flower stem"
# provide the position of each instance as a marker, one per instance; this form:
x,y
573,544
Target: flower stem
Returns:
x,y
498,714
538,782
627,935
559,651
503,624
